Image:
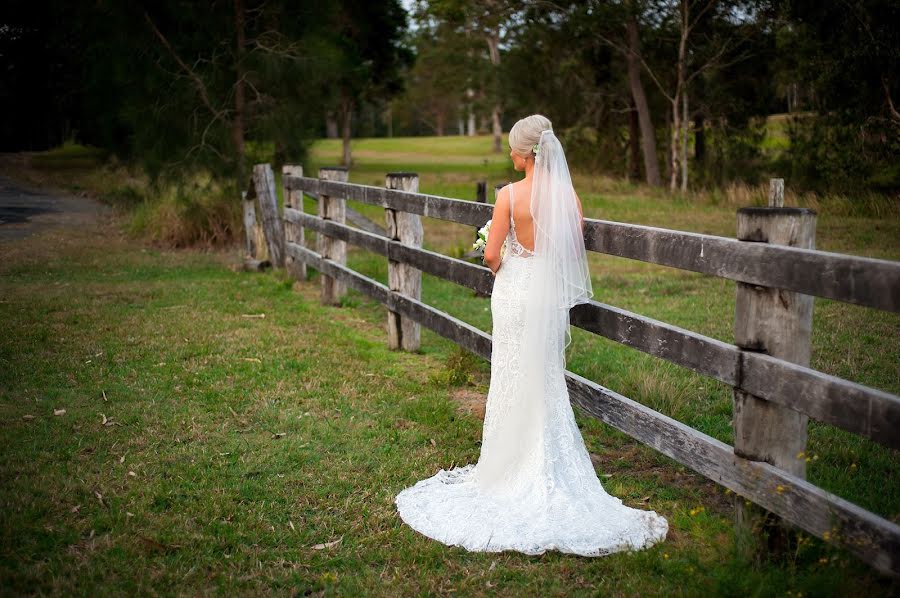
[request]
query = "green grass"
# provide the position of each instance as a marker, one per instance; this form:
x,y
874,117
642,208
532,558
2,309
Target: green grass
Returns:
x,y
234,444
70,155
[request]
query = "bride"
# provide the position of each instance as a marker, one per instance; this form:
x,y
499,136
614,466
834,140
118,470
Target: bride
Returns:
x,y
534,487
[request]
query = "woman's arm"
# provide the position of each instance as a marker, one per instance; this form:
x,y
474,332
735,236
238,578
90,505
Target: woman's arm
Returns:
x,y
499,230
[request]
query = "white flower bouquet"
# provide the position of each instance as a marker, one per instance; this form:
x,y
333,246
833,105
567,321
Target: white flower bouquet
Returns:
x,y
481,242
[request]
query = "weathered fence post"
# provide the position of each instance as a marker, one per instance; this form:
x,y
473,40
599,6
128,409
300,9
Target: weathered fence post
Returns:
x,y
332,208
256,256
403,333
293,233
779,323
481,191
776,193
264,181
249,226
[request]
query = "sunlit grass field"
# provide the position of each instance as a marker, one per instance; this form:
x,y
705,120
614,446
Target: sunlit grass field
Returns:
x,y
224,433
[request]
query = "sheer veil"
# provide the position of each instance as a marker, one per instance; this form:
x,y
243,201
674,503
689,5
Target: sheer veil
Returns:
x,y
564,279
559,281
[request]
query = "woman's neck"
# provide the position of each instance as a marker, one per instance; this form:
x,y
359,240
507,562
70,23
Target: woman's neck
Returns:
x,y
529,170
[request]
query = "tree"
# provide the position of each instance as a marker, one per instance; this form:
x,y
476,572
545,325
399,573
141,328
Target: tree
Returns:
x,y
485,20
648,132
371,57
846,56
437,83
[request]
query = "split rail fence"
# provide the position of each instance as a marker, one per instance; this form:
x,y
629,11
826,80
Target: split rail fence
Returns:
x,y
777,273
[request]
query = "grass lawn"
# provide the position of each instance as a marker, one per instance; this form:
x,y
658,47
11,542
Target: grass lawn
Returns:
x,y
204,448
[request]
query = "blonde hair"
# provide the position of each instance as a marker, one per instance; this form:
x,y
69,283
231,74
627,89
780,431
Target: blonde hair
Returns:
x,y
527,132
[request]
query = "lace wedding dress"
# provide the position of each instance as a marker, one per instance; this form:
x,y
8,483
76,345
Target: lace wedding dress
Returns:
x,y
528,492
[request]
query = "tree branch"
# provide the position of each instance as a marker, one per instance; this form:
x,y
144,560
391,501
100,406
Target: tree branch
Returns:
x,y
198,82
895,116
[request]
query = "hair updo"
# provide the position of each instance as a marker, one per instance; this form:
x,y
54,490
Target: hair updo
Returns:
x,y
527,132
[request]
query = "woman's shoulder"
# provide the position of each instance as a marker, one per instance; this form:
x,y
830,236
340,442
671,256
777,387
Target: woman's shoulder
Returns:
x,y
503,194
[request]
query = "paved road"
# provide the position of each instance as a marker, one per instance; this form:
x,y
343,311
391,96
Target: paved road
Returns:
x,y
24,211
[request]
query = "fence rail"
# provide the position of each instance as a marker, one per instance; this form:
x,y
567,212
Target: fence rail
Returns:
x,y
864,281
790,386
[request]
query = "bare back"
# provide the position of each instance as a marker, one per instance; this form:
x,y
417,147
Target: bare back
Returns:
x,y
520,212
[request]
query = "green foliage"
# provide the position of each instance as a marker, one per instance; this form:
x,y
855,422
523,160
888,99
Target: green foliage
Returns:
x,y
734,153
589,150
459,369
70,155
191,213
826,153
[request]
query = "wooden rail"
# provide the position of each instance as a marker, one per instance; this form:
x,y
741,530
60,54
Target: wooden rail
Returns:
x,y
863,281
866,411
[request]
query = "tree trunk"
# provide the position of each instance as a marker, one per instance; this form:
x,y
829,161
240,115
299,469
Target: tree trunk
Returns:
x,y
331,126
675,150
699,139
634,144
685,129
648,135
237,125
493,41
497,130
440,117
675,132
346,118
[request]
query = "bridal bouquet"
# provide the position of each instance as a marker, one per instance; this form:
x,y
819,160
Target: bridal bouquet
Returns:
x,y
481,242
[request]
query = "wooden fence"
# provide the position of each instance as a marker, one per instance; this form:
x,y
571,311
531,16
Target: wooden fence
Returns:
x,y
777,273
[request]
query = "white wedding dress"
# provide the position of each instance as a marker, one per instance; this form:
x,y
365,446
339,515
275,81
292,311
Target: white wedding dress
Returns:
x,y
525,496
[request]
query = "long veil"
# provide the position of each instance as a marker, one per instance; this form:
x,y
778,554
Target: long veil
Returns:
x,y
560,280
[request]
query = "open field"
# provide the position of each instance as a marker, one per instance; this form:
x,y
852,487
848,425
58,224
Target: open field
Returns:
x,y
207,449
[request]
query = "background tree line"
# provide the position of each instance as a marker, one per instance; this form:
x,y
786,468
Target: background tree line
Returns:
x,y
678,93
672,92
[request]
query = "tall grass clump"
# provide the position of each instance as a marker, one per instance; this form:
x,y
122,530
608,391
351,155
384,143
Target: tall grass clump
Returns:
x,y
188,214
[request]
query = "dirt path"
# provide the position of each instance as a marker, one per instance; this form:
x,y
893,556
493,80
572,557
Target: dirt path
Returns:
x,y
26,210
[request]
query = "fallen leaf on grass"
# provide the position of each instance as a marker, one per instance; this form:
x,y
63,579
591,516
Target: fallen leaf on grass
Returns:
x,y
291,523
433,443
132,474
59,412
328,544
253,315
278,435
28,417
253,359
